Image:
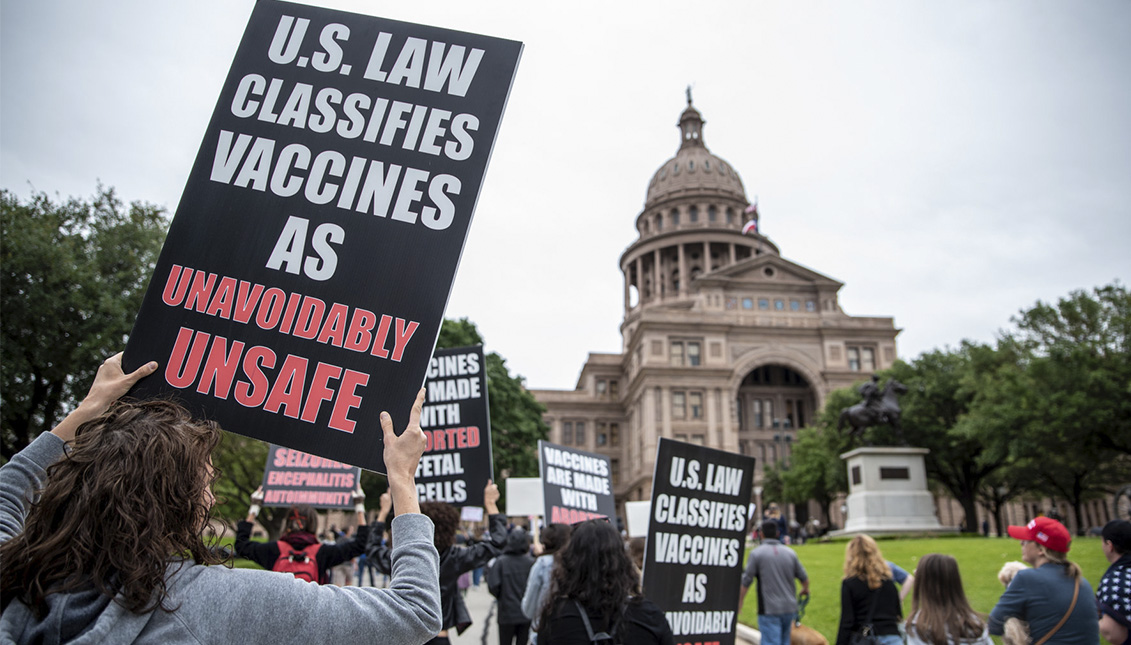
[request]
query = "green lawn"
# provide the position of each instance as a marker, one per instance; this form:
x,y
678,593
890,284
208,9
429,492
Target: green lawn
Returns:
x,y
979,560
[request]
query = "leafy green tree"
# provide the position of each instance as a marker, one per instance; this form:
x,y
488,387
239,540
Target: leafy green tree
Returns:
x,y
73,277
1067,395
816,471
942,386
1084,342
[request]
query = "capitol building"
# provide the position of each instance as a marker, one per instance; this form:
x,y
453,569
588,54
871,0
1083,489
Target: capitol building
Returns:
x,y
726,343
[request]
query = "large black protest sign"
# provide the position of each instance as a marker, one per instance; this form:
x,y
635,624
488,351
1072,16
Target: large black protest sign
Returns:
x,y
295,477
576,484
696,539
305,274
456,421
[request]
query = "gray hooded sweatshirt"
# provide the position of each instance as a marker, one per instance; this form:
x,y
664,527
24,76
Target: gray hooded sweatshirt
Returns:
x,y
222,606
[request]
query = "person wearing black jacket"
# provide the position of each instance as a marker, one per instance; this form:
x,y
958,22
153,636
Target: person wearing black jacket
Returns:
x,y
454,560
868,597
506,580
300,532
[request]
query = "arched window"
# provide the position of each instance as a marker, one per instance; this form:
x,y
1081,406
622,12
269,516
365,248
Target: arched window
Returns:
x,y
659,223
730,216
693,214
712,213
675,217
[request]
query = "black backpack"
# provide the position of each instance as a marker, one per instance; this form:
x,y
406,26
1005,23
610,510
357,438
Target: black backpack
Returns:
x,y
607,637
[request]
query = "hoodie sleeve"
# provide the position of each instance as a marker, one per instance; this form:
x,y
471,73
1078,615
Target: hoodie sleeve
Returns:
x,y
229,607
21,477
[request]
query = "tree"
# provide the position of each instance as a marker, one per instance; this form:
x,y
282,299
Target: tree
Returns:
x,y
942,387
1068,394
73,277
241,461
816,470
516,416
1084,341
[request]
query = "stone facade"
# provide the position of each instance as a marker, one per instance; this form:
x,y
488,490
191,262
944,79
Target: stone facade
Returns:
x,y
725,342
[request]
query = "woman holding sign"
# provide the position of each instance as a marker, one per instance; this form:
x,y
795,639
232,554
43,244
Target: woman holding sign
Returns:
x,y
103,524
298,551
595,590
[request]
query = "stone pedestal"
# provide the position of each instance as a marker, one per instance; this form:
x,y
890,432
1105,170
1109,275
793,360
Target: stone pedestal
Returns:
x,y
887,493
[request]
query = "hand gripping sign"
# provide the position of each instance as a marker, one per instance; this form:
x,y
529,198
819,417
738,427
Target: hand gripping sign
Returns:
x,y
305,274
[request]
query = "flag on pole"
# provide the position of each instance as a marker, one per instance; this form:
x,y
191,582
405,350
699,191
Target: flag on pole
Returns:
x,y
750,227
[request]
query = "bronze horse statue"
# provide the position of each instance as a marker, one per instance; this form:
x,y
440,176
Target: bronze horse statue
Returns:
x,y
885,410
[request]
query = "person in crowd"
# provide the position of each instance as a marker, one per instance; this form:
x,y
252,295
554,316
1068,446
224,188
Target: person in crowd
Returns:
x,y
940,613
1053,596
775,566
455,560
1113,600
869,600
1015,631
103,524
774,513
299,551
595,590
554,537
506,580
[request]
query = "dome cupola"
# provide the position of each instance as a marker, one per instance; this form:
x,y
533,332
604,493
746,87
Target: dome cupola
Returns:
x,y
693,169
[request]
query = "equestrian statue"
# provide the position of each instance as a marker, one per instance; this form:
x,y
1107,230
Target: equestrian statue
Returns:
x,y
879,407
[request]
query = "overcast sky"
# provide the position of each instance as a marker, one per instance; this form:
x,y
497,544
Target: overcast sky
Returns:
x,y
950,162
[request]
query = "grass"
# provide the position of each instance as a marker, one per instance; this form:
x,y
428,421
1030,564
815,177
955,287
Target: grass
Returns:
x,y
979,560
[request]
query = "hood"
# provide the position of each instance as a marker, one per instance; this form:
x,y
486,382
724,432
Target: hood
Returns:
x,y
79,617
300,539
517,542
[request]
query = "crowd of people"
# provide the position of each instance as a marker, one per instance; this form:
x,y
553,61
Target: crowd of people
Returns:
x,y
104,537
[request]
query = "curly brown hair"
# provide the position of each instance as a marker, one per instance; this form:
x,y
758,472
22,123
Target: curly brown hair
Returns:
x,y
132,495
446,518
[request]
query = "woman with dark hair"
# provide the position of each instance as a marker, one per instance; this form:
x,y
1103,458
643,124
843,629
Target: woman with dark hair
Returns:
x,y
869,601
595,588
299,551
940,613
103,525
455,560
553,538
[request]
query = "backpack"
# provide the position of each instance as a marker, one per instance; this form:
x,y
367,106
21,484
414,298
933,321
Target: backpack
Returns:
x,y
301,563
607,636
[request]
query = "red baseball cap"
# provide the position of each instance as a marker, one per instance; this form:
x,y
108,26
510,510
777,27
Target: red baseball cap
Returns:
x,y
1044,530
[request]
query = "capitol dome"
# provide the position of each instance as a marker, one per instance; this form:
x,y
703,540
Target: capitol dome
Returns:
x,y
693,168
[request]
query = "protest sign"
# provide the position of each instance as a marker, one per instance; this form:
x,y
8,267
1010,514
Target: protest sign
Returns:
x,y
295,477
456,420
576,485
304,277
524,496
471,514
636,518
696,539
